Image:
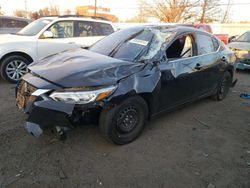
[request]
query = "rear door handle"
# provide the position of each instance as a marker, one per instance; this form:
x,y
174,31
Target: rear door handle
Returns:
x,y
198,66
71,42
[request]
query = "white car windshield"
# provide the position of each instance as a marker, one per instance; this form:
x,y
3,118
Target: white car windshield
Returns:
x,y
34,27
244,38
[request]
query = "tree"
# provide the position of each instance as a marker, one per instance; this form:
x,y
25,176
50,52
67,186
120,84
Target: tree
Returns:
x,y
34,15
172,10
20,13
142,15
227,13
209,11
54,10
67,12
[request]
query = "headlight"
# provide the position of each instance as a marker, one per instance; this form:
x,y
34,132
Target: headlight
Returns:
x,y
82,97
242,54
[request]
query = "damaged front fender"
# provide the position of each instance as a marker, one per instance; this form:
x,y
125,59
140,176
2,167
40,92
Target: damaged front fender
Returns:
x,y
145,82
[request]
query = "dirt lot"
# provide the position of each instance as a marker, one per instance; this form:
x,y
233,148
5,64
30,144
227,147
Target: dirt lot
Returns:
x,y
175,150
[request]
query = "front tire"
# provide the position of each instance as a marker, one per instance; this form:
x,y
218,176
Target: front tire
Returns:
x,y
124,123
223,87
13,68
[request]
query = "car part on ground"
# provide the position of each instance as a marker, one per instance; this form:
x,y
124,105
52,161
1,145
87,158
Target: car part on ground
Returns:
x,y
245,95
124,80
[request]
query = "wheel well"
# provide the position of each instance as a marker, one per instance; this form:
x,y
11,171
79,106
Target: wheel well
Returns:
x,y
231,72
148,99
17,53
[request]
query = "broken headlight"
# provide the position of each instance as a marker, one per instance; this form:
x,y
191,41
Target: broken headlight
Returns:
x,y
82,97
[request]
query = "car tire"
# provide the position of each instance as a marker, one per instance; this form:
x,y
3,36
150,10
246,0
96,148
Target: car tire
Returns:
x,y
223,87
13,67
124,123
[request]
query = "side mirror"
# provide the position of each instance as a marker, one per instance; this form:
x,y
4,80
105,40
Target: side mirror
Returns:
x,y
47,34
232,39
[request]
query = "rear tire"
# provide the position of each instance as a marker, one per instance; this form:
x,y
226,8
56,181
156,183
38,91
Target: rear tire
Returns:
x,y
125,122
13,68
223,87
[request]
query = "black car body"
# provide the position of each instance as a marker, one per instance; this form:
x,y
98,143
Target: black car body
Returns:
x,y
125,79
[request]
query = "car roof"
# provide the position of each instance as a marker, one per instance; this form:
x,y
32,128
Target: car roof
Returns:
x,y
76,18
179,29
16,18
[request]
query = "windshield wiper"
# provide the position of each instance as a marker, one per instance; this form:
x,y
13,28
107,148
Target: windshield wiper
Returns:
x,y
114,51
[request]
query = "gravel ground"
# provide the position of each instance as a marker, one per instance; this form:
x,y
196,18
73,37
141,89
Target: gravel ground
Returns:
x,y
206,144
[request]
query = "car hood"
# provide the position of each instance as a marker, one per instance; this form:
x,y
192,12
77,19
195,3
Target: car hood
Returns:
x,y
79,68
8,38
240,45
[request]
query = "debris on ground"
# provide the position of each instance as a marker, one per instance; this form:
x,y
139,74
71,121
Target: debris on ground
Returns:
x,y
99,182
205,155
210,185
61,174
201,122
245,95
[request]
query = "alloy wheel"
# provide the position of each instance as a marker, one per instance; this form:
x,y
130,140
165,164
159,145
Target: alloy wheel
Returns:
x,y
16,69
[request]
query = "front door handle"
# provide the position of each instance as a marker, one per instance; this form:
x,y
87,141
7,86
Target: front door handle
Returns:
x,y
71,42
198,66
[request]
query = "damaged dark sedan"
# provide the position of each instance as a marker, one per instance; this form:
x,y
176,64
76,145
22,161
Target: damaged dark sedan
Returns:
x,y
124,80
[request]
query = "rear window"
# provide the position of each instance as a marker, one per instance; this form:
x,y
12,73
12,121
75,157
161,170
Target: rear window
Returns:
x,y
205,44
105,29
216,44
12,23
85,29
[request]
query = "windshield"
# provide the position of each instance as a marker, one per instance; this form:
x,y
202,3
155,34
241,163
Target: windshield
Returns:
x,y
34,27
133,44
244,38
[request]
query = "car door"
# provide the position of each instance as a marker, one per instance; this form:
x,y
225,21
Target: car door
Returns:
x,y
210,62
89,32
63,39
180,80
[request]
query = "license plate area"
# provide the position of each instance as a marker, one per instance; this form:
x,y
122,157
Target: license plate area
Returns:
x,y
20,101
24,95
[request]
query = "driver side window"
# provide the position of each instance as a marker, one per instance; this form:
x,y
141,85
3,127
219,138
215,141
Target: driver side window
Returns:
x,y
182,47
62,29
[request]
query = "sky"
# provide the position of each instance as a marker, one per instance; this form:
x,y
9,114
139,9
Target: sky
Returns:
x,y
124,9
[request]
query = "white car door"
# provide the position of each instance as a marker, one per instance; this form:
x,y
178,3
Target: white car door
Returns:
x,y
63,39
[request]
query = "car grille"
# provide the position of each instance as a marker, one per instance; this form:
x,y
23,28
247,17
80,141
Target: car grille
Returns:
x,y
24,96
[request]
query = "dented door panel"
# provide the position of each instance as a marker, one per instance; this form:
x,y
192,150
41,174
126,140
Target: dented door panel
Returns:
x,y
179,82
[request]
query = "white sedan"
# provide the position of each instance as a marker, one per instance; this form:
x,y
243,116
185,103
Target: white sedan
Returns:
x,y
44,37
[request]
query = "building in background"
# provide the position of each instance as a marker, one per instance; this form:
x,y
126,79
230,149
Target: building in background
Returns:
x,y
100,12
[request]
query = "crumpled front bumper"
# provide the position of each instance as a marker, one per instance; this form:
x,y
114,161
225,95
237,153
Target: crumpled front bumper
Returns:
x,y
48,114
